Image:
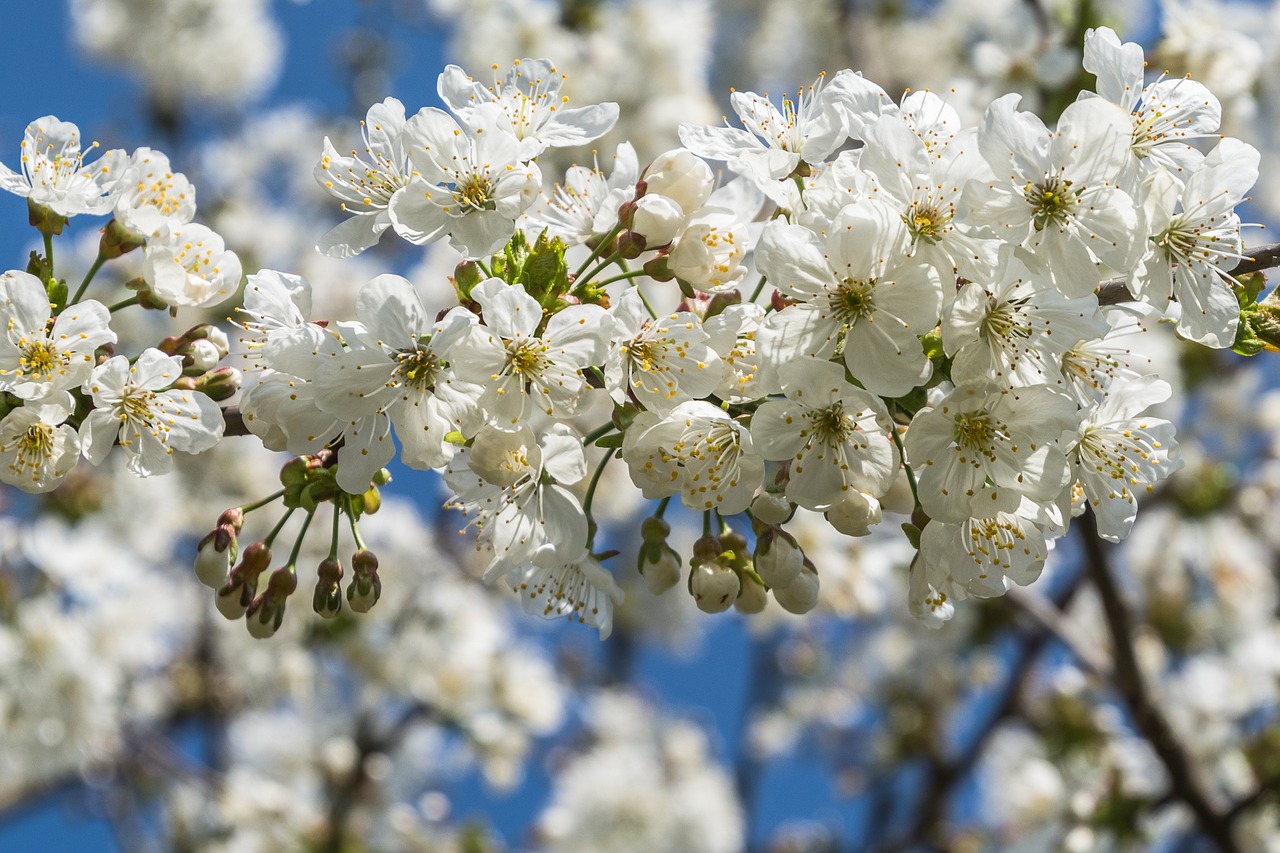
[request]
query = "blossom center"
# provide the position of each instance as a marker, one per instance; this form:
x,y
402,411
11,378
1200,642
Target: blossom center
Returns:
x,y
1052,201
417,367
853,299
475,191
926,222
39,358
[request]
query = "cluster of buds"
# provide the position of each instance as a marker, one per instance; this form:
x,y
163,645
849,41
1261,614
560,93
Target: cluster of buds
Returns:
x,y
202,348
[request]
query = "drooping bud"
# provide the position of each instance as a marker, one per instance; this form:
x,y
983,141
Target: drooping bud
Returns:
x,y
772,508
266,612
657,219
778,557
801,595
657,561
713,585
752,598
365,587
216,553
856,514
237,593
327,598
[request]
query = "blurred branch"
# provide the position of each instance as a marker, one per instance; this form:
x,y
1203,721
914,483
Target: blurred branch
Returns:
x,y
1132,687
1114,291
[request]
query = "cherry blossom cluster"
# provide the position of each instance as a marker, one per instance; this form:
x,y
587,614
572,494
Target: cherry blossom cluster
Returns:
x,y
847,306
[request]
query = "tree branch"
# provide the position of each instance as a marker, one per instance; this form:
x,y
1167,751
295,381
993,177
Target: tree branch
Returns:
x,y
1129,682
1114,291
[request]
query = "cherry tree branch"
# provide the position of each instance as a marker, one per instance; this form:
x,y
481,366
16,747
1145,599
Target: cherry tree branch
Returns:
x,y
1129,682
1114,291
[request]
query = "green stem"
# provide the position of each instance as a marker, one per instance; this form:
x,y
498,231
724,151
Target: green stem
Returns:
x,y
275,531
88,277
595,253
622,277
123,303
595,481
333,541
355,531
258,504
706,523
911,475
302,534
484,269
48,251
603,265
597,433
755,294
662,507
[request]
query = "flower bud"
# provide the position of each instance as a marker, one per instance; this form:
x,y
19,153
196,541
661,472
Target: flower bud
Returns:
x,y
778,557
631,244
771,508
365,587
238,591
801,595
856,514
266,612
660,567
657,219
221,384
681,176
752,598
327,598
714,586
214,556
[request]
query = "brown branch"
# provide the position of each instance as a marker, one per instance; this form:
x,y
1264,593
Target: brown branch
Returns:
x,y
1129,682
1114,291
234,421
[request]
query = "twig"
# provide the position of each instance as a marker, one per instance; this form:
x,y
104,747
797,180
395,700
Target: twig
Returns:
x,y
1114,291
1132,687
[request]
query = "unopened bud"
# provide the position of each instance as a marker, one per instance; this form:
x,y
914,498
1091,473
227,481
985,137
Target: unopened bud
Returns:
x,y
631,245
856,514
266,612
714,586
778,557
214,556
327,598
237,593
682,176
221,384
659,565
771,508
657,220
365,587
752,598
801,595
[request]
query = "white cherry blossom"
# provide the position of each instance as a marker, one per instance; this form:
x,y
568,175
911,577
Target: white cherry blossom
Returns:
x,y
37,447
188,265
54,174
146,194
662,361
579,588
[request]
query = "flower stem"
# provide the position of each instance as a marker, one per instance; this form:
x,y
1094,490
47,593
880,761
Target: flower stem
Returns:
x,y
595,253
302,534
911,475
48,251
598,432
595,481
275,531
622,277
355,531
333,540
261,502
123,303
645,301
600,267
88,277
755,294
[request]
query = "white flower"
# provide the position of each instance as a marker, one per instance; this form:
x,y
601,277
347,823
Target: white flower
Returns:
x,y
851,286
189,265
469,182
1055,193
836,436
276,320
663,361
397,366
698,450
36,448
578,587
1016,329
681,176
514,485
1195,241
40,362
586,206
529,98
983,446
1165,114
981,556
54,174
733,336
132,406
1117,453
365,187
518,367
708,252
147,193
